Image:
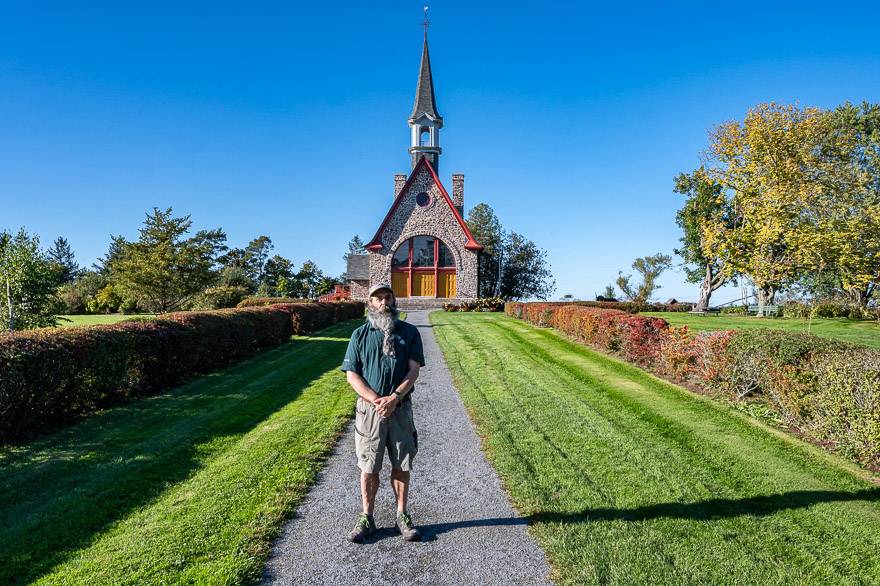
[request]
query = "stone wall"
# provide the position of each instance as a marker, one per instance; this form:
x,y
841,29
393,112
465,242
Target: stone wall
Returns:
x,y
359,290
437,220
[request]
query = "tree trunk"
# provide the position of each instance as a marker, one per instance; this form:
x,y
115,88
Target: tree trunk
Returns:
x,y
9,303
705,291
766,296
859,296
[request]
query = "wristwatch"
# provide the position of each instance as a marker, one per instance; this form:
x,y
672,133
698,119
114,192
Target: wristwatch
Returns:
x,y
398,395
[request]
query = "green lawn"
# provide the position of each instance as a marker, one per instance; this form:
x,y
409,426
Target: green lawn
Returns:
x,y
627,479
69,321
858,332
186,487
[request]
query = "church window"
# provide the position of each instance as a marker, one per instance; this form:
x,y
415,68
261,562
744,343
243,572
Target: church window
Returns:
x,y
423,251
401,257
423,199
423,266
445,256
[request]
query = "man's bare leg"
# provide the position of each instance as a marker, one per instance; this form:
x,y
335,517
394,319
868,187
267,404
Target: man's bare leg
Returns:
x,y
369,487
400,485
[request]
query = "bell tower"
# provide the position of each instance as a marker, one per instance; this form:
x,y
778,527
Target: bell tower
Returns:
x,y
424,122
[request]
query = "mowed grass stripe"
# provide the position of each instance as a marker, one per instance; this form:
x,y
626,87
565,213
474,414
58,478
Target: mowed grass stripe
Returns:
x,y
614,460
184,487
629,479
727,467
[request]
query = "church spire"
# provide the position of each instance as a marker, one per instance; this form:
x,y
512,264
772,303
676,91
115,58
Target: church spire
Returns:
x,y
425,102
425,123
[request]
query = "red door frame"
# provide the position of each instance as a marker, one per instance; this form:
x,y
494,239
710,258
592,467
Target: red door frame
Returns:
x,y
409,269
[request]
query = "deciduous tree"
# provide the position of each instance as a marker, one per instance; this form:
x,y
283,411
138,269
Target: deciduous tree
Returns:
x,y
28,281
162,270
765,166
705,203
650,267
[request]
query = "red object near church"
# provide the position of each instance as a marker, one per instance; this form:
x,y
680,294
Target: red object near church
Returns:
x,y
339,293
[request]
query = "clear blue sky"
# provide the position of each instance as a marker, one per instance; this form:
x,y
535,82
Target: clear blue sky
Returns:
x,y
289,119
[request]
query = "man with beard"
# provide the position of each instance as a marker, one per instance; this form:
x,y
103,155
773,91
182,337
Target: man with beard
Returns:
x,y
382,364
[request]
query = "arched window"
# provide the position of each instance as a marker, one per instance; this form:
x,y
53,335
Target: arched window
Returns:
x,y
425,136
423,266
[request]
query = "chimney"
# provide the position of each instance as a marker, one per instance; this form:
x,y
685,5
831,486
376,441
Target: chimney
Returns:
x,y
399,182
458,192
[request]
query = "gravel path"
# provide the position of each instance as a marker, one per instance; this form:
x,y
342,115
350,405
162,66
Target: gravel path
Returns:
x,y
472,535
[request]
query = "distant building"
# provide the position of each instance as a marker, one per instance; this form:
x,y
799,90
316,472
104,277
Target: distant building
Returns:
x,y
423,247
339,293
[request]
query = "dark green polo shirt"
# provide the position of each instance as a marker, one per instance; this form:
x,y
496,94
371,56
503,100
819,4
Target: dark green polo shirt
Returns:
x,y
383,373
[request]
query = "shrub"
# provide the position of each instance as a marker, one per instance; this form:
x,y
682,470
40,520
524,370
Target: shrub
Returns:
x,y
107,300
846,404
677,356
51,376
489,304
831,308
263,301
221,297
796,309
734,310
828,389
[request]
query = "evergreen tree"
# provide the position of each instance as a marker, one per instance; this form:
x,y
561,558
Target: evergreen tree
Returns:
x,y
163,270
355,246
62,255
511,266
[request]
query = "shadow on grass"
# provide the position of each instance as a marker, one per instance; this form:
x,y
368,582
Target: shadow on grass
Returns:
x,y
59,493
702,510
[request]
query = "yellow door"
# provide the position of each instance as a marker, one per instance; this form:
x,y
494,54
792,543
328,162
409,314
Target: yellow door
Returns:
x,y
446,286
423,284
398,285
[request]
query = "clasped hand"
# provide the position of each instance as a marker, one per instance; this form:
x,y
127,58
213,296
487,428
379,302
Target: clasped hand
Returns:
x,y
385,406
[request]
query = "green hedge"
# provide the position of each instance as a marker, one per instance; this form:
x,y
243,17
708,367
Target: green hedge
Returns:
x,y
829,390
50,377
263,301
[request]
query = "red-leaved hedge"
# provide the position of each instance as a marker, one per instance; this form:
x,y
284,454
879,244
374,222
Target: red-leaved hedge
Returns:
x,y
49,377
829,390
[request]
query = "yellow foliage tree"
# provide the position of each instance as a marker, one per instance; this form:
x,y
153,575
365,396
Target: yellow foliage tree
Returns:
x,y
767,165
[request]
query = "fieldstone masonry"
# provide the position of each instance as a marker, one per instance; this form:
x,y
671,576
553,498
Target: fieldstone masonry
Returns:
x,y
399,182
437,220
458,192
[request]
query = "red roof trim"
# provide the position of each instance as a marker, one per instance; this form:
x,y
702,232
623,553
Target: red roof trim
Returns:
x,y
376,243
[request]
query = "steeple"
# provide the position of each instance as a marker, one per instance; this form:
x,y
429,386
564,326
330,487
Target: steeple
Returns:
x,y
424,122
425,102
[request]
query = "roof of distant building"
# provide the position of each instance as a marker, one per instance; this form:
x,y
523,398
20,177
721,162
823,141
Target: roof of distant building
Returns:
x,y
358,267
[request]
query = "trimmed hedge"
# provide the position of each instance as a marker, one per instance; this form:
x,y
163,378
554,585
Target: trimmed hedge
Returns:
x,y
263,301
627,306
49,377
829,390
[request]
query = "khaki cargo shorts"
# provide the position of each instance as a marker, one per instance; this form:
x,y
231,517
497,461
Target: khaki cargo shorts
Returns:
x,y
374,434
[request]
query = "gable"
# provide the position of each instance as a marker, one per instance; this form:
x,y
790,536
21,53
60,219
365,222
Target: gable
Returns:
x,y
422,171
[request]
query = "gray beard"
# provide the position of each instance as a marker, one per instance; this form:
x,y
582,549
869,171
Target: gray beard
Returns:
x,y
384,321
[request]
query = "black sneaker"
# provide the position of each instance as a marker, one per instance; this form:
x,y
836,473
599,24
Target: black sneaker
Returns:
x,y
405,526
362,529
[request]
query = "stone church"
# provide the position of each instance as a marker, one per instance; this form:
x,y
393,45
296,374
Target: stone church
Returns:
x,y
423,247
